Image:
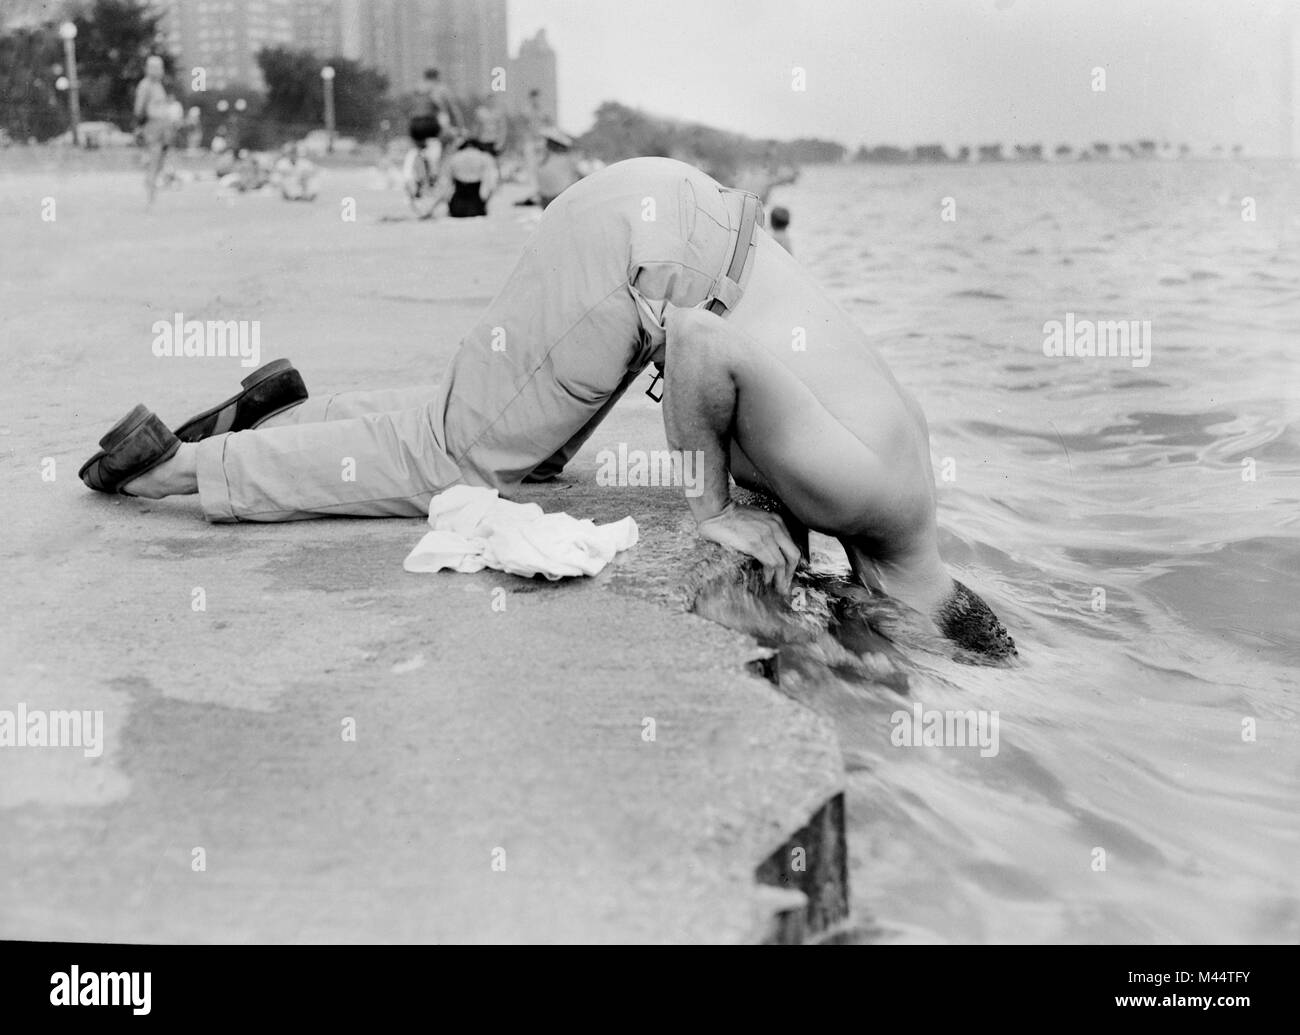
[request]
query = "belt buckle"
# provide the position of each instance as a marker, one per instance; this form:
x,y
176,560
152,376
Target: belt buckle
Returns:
x,y
659,376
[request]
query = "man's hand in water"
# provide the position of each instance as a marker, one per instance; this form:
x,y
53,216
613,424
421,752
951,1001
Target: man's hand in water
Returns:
x,y
759,534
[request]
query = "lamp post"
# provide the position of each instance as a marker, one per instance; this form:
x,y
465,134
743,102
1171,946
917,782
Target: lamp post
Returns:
x,y
327,76
69,33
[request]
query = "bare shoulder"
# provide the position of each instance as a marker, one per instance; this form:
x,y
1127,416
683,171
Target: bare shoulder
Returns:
x,y
696,325
686,320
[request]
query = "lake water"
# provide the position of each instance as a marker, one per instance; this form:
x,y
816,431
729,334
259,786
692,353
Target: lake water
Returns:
x,y
1135,527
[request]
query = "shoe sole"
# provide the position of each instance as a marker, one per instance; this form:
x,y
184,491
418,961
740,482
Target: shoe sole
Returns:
x,y
186,432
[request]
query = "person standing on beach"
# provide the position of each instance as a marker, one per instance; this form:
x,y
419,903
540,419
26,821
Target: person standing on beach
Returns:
x,y
600,293
534,141
442,105
193,130
438,121
153,116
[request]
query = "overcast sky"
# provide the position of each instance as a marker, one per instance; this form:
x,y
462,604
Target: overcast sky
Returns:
x,y
949,71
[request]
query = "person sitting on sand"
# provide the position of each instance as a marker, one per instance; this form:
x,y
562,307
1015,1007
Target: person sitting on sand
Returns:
x,y
560,169
249,173
295,175
467,180
601,292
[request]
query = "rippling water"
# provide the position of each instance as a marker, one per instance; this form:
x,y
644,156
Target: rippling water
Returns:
x,y
1124,726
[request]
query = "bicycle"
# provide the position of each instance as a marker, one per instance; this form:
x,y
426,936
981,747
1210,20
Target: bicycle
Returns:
x,y
420,176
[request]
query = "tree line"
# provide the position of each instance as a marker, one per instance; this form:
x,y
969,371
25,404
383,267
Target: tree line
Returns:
x,y
1101,150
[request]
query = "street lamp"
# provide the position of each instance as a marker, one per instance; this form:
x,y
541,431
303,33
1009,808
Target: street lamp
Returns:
x,y
240,104
69,33
327,75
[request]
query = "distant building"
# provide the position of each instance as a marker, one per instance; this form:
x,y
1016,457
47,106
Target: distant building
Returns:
x,y
317,25
224,36
469,41
353,21
534,69
27,14
464,39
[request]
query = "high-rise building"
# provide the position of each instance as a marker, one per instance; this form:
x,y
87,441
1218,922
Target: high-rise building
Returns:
x,y
534,69
353,23
469,43
464,39
317,26
223,37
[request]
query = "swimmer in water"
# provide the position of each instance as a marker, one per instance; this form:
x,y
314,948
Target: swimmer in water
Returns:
x,y
780,223
153,114
599,294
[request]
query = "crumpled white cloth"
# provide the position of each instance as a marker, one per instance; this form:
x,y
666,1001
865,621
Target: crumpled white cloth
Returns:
x,y
473,528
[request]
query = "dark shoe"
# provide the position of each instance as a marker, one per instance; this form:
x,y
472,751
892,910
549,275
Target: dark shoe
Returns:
x,y
270,389
135,445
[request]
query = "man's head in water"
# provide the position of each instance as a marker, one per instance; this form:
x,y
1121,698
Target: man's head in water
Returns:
x,y
430,75
969,622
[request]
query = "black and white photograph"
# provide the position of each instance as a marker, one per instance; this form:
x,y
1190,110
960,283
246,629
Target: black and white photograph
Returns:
x,y
703,473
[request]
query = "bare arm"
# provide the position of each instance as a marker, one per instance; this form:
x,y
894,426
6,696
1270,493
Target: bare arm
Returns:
x,y
703,379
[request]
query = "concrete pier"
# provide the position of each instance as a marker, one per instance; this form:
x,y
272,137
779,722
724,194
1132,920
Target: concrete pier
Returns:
x,y
302,742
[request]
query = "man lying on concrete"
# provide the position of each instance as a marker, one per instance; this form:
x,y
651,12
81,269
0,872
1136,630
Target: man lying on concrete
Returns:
x,y
647,261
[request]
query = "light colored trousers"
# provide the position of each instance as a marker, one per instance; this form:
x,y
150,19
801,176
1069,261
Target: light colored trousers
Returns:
x,y
575,324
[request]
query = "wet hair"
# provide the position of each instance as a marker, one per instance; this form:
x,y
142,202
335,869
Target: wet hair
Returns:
x,y
430,73
780,217
966,620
